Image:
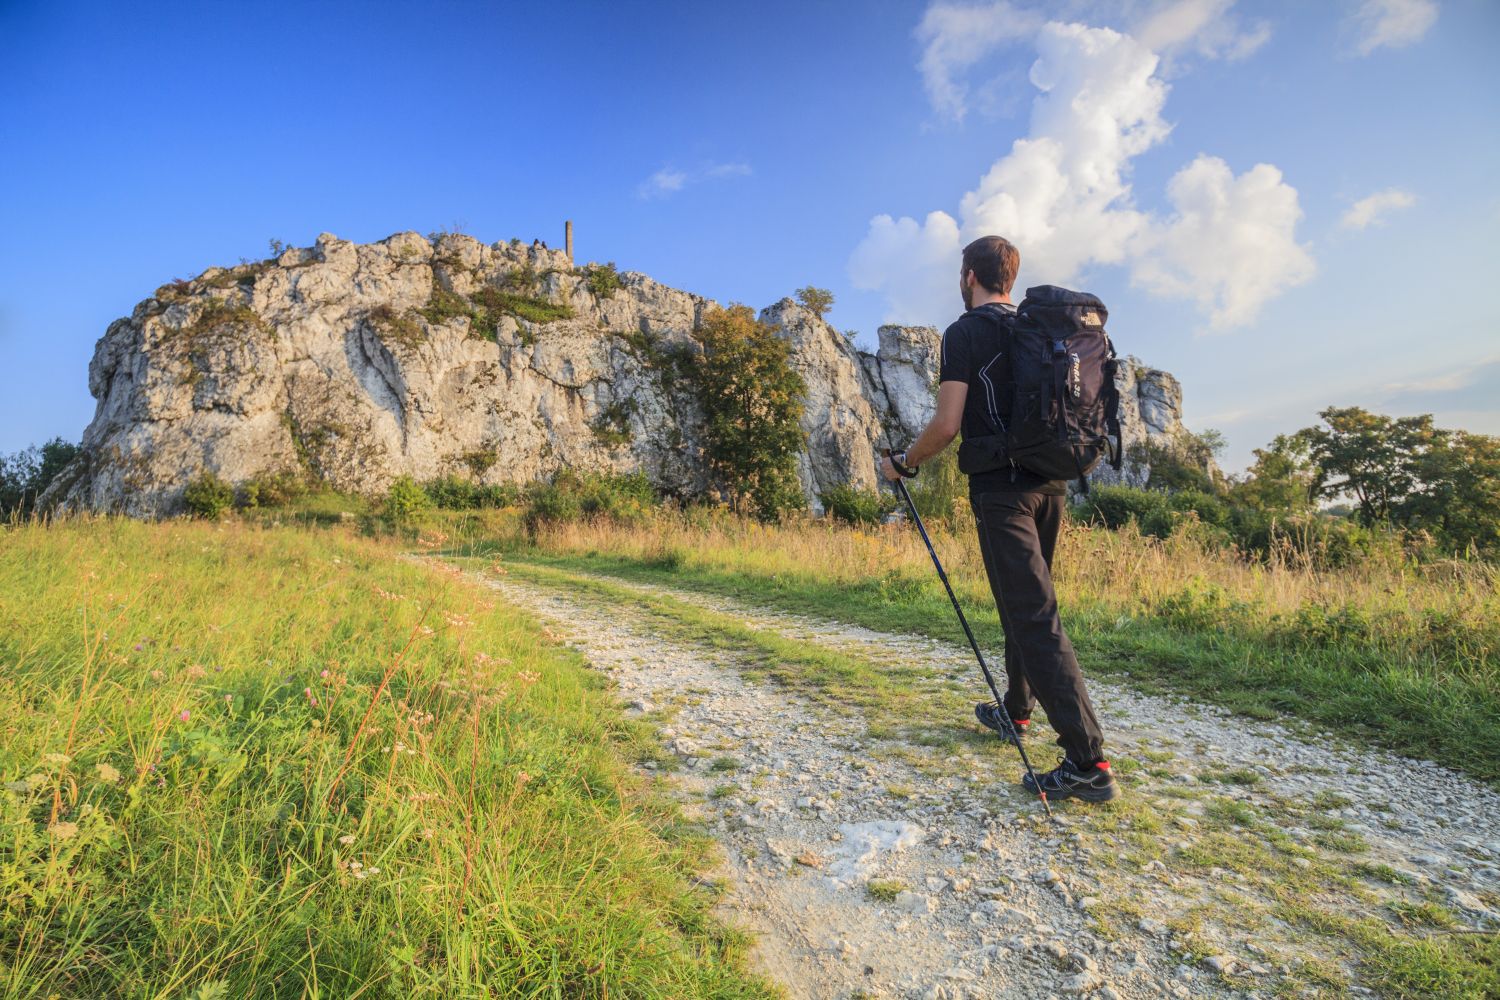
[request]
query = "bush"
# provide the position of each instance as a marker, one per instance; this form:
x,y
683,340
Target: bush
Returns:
x,y
274,489
454,493
571,496
603,280
1316,541
1209,508
406,501
1117,506
208,496
857,506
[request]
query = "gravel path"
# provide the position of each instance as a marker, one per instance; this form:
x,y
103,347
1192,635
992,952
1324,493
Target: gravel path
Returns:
x,y
871,868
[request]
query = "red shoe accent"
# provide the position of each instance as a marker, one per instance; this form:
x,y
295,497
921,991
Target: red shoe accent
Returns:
x,y
1104,764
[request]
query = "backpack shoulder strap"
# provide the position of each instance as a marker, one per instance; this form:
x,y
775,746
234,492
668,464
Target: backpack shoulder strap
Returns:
x,y
1112,406
1005,320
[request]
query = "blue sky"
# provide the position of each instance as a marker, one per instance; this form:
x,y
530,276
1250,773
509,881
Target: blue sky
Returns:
x,y
744,152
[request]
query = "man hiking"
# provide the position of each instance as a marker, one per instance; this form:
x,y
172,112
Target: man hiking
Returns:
x,y
1018,514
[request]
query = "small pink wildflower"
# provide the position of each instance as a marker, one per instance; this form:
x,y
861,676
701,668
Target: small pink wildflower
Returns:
x,y
324,673
183,715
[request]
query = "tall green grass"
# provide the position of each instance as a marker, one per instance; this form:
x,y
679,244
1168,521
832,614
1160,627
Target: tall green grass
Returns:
x,y
266,763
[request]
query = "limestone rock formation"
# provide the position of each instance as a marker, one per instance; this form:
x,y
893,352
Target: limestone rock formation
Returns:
x,y
1150,411
499,362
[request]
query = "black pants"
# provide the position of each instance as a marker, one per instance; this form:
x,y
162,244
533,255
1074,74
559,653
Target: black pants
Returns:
x,y
1017,535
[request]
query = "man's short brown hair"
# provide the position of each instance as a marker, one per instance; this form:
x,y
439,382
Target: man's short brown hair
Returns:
x,y
994,262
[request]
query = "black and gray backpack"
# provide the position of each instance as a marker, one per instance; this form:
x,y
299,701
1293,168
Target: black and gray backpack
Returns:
x,y
1058,412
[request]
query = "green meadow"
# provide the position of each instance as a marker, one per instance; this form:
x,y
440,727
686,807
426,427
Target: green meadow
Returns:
x,y
277,762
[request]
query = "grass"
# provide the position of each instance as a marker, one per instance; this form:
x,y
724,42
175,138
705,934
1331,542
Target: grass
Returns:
x,y
484,308
1408,663
218,318
1281,866
279,762
884,890
1446,965
402,327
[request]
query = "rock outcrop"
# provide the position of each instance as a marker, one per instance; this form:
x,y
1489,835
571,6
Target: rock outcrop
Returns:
x,y
357,364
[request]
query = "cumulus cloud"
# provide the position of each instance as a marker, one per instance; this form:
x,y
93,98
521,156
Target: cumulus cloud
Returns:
x,y
1230,243
1372,211
669,180
915,265
1063,194
1391,23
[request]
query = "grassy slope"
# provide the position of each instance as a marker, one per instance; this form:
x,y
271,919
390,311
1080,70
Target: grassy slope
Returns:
x,y
198,769
1433,695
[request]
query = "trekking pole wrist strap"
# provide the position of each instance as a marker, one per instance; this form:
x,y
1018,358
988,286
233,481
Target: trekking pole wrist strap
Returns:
x,y
899,464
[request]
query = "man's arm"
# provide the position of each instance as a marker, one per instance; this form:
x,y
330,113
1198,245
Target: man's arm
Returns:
x,y
940,430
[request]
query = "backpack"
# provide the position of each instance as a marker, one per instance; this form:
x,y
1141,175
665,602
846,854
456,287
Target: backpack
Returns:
x,y
1058,414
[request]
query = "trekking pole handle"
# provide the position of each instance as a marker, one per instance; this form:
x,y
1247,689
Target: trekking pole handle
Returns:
x,y
901,467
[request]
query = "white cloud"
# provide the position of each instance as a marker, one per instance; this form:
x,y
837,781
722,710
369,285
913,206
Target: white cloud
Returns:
x,y
727,170
1063,196
956,37
1230,243
1208,28
915,265
669,180
1371,211
1391,23
662,183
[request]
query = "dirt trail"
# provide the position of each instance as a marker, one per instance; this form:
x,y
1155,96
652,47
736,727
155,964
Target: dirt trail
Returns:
x,y
874,868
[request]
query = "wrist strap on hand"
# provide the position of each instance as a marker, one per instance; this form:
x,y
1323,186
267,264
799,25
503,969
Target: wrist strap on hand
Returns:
x,y
906,473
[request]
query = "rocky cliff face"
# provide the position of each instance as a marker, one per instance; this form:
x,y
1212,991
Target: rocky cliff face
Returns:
x,y
502,363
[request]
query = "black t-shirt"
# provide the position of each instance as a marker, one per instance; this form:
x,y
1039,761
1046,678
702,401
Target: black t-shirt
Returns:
x,y
974,352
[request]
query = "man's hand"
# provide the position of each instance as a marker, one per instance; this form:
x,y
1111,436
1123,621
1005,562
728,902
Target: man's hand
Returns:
x,y
939,432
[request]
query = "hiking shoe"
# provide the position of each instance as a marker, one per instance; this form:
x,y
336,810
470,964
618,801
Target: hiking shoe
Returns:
x,y
1066,781
988,713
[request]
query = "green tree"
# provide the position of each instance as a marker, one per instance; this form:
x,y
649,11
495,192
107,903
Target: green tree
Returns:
x,y
1459,500
1375,459
816,300
752,405
1281,478
24,475
1185,464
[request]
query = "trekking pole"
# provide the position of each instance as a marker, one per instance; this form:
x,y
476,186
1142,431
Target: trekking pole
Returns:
x,y
1015,736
